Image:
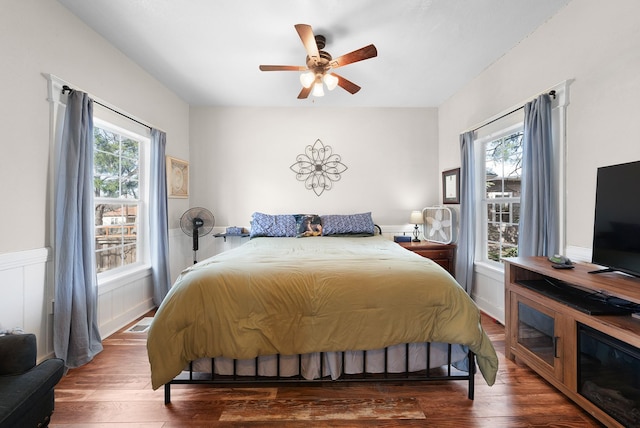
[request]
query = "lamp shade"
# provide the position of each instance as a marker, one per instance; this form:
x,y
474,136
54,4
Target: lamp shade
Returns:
x,y
416,217
318,90
331,81
307,78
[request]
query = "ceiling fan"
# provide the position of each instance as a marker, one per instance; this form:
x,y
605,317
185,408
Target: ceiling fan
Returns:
x,y
320,64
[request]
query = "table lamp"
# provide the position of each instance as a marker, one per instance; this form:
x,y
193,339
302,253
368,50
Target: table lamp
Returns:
x,y
416,218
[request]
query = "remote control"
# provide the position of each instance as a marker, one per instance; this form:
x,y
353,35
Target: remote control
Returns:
x,y
558,266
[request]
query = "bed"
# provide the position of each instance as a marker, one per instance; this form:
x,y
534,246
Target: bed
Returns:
x,y
315,306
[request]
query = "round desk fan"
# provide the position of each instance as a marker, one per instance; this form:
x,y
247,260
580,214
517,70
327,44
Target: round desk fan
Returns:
x,y
439,224
196,222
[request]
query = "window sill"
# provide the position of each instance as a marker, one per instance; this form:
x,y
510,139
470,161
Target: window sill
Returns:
x,y
110,282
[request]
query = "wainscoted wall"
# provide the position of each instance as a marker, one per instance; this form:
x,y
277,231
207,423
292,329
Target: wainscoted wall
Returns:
x,y
124,299
181,248
488,291
27,295
26,284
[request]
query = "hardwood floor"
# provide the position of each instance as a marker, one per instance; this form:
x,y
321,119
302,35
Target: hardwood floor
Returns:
x,y
114,391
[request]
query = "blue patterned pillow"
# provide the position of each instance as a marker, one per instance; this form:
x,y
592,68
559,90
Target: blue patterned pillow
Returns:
x,y
352,224
282,225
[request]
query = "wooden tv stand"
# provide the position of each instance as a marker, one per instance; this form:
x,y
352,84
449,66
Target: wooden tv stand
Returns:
x,y
557,359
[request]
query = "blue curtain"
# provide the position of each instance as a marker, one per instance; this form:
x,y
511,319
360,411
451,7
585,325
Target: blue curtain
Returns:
x,y
467,238
538,234
158,218
76,338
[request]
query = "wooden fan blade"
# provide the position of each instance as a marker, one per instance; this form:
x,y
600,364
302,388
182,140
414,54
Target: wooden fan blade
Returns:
x,y
346,84
282,68
355,56
304,93
309,41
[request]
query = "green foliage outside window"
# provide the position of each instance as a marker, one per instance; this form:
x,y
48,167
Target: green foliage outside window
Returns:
x,y
116,185
116,165
503,170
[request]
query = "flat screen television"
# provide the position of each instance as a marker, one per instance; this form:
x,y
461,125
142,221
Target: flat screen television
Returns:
x,y
616,232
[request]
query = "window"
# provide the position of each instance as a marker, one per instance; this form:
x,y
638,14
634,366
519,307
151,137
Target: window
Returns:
x,y
119,197
501,195
120,185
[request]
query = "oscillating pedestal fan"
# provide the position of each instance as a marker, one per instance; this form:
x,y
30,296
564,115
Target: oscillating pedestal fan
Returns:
x,y
197,222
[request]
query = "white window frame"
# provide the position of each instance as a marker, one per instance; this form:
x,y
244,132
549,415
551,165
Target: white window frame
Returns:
x,y
142,257
482,238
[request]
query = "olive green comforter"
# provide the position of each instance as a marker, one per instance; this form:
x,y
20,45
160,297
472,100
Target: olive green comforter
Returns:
x,y
301,295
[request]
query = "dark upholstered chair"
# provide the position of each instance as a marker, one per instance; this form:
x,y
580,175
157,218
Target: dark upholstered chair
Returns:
x,y
26,389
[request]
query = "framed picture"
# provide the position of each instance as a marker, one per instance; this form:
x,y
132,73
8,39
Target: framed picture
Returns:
x,y
177,178
451,186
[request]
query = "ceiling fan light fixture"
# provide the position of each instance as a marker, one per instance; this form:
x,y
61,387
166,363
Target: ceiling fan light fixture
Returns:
x,y
318,63
331,81
307,78
318,90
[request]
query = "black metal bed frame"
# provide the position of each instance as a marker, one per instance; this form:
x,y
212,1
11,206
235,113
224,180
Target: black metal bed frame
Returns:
x,y
451,373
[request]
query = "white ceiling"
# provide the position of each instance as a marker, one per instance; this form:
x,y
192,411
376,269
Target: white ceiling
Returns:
x,y
208,51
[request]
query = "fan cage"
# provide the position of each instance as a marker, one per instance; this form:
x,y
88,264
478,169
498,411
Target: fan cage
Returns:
x,y
187,218
439,224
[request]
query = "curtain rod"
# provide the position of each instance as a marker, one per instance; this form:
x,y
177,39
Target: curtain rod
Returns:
x,y
66,88
551,93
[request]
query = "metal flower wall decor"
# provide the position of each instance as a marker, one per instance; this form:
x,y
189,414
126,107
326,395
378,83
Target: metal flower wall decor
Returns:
x,y
318,167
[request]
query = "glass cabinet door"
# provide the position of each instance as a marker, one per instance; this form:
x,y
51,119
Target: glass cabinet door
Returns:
x,y
535,335
536,332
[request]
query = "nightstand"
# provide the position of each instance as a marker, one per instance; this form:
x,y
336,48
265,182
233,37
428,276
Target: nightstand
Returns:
x,y
443,254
